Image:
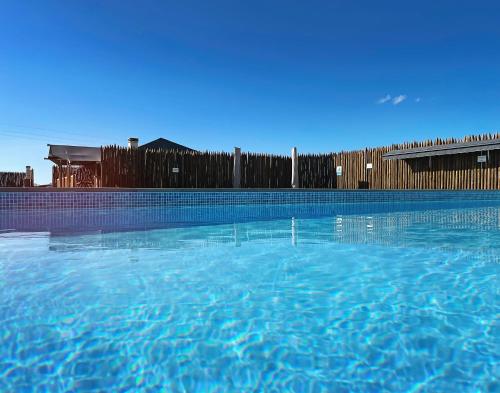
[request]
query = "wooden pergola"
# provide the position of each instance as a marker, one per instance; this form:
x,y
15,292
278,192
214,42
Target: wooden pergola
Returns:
x,y
66,157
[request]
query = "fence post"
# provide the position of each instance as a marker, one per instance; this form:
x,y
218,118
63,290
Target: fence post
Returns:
x,y
27,180
237,168
295,168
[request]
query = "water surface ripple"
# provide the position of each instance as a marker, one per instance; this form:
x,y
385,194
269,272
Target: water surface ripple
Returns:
x,y
396,302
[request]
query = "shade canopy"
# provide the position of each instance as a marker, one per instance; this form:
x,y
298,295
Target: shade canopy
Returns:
x,y
74,155
444,150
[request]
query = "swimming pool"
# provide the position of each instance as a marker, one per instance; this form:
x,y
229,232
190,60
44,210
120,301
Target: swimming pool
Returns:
x,y
301,297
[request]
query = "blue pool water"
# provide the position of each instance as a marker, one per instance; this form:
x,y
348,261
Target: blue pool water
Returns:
x,y
267,299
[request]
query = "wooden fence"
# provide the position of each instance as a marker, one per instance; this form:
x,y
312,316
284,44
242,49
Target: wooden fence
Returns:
x,y
265,171
317,171
122,167
441,172
12,179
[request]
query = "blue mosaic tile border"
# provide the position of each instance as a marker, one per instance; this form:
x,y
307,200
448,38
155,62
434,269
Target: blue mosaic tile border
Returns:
x,y
66,221
139,199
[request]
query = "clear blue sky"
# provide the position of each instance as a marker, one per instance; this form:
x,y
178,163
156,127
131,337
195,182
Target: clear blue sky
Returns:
x,y
263,75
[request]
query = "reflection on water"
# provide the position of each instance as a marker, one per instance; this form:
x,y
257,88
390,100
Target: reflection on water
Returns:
x,y
470,230
454,229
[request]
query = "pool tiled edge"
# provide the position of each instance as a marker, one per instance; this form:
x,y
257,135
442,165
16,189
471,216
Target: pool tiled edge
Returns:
x,y
137,198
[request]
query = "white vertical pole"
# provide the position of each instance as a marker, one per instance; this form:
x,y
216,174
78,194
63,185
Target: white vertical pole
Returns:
x,y
236,235
237,168
295,168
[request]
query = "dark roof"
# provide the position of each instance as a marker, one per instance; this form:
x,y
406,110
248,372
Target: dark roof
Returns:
x,y
443,150
165,144
76,155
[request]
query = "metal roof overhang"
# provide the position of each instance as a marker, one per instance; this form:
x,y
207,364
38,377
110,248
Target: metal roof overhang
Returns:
x,y
444,150
74,155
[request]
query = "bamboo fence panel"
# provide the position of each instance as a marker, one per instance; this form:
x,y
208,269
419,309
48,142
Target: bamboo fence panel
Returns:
x,y
12,179
439,172
316,171
265,171
122,167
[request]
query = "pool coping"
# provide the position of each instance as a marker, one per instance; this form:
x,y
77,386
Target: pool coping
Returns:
x,y
33,198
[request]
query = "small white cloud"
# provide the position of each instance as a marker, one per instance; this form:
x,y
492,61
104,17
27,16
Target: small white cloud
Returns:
x,y
418,99
384,99
399,99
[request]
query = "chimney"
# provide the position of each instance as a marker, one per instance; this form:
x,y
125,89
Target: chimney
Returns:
x,y
28,179
133,143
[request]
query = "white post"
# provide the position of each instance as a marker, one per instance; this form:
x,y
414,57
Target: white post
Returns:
x,y
237,168
295,168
